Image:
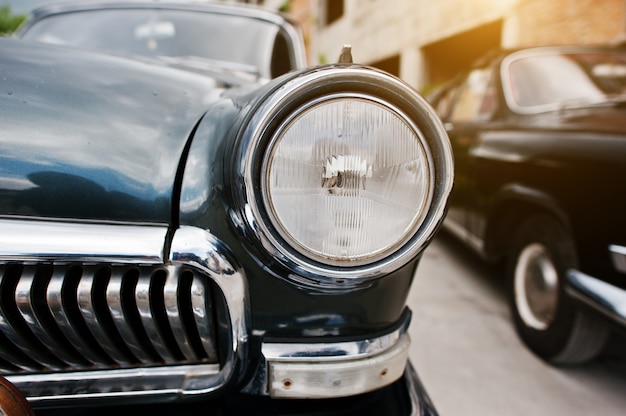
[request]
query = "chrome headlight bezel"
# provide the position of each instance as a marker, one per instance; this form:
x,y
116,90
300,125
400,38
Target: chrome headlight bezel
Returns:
x,y
269,119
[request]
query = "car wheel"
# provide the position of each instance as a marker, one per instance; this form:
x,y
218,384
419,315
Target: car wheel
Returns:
x,y
545,319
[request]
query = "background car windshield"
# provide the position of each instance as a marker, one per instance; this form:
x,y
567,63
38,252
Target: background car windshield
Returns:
x,y
163,33
558,79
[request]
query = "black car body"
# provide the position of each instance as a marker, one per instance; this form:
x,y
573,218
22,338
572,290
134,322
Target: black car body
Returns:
x,y
539,139
193,235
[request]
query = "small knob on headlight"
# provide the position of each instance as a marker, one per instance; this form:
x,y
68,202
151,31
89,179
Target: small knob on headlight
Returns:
x,y
346,55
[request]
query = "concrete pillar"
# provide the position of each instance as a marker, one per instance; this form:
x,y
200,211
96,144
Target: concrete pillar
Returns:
x,y
412,67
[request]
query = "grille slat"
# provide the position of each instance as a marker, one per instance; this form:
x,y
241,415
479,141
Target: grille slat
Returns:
x,y
16,329
26,298
143,296
175,317
87,292
69,317
201,306
122,317
61,312
10,354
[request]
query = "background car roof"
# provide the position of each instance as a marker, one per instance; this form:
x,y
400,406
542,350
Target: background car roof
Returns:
x,y
241,9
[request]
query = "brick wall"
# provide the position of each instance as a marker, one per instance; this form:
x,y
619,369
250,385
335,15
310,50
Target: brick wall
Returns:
x,y
301,10
540,22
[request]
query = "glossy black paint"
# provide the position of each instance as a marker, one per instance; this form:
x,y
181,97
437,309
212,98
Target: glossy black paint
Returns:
x,y
108,147
568,163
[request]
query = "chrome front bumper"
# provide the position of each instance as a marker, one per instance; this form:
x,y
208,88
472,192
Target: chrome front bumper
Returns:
x,y
604,298
321,370
404,397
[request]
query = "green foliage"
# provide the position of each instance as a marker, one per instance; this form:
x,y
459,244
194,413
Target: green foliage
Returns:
x,y
429,88
285,7
9,22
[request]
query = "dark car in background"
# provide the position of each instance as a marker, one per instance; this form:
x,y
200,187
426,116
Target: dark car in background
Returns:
x,y
193,222
539,140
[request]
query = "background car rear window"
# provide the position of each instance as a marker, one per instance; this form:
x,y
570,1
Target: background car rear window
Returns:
x,y
162,32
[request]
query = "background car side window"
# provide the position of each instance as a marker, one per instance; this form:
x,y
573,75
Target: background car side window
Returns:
x,y
281,58
444,101
477,98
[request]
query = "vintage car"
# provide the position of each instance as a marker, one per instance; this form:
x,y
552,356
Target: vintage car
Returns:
x,y
539,139
193,222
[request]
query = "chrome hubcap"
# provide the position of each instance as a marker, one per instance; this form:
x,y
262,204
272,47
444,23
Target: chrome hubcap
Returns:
x,y
536,287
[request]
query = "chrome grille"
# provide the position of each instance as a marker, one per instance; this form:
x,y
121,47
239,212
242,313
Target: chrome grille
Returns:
x,y
57,317
101,313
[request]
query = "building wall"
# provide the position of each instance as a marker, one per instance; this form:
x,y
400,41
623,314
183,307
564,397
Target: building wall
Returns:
x,y
303,11
426,41
537,22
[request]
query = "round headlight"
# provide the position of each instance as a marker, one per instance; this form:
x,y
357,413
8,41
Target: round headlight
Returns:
x,y
347,180
342,176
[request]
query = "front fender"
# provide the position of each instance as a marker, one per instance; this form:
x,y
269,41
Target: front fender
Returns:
x,y
508,208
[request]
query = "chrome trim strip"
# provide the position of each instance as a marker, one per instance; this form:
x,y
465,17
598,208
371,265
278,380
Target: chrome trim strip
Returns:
x,y
37,240
332,351
603,297
477,244
114,383
618,256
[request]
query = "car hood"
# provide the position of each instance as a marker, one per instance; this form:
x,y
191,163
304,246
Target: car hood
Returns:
x,y
92,136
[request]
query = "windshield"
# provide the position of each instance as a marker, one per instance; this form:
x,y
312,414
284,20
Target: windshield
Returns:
x,y
552,80
169,33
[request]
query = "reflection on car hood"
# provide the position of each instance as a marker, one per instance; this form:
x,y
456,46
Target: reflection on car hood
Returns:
x,y
92,136
226,72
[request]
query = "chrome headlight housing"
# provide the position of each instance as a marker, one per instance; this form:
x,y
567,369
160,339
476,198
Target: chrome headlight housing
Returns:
x,y
345,172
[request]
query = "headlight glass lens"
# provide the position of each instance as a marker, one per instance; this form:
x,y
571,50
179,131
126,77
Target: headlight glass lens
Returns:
x,y
347,180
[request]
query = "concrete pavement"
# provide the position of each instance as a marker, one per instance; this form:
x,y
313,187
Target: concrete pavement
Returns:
x,y
470,359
